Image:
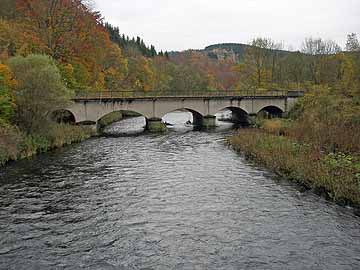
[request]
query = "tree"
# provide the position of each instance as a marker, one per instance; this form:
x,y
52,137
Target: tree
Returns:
x,y
319,52
319,46
260,62
60,24
352,43
141,75
152,51
72,33
187,79
346,82
294,68
39,91
115,68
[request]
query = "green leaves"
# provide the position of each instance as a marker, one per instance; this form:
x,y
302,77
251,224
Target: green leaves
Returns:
x,y
40,90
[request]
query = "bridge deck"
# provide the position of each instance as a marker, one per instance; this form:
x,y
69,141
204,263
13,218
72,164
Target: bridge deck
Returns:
x,y
120,95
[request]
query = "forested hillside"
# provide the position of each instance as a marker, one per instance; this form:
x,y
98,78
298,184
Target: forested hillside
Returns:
x,y
53,50
132,45
264,64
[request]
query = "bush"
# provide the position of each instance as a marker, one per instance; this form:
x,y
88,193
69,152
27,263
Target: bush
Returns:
x,y
10,139
329,121
275,126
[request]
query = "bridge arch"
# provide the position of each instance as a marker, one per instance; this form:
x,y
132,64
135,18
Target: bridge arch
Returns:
x,y
117,116
197,116
238,115
270,112
63,116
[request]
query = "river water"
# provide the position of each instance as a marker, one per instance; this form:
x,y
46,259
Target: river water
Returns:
x,y
183,200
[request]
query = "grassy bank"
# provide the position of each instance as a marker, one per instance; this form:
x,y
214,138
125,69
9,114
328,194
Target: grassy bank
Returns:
x,y
15,145
335,174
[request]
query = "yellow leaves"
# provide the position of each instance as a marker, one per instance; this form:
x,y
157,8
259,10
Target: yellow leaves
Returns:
x,y
100,82
17,39
141,74
7,76
5,38
69,70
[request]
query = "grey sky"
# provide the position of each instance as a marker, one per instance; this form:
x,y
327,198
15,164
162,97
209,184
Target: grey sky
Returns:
x,y
185,24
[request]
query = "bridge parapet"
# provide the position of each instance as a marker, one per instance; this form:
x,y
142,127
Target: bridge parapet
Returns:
x,y
186,94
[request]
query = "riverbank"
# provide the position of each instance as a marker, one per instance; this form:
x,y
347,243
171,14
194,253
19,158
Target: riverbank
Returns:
x,y
16,145
335,175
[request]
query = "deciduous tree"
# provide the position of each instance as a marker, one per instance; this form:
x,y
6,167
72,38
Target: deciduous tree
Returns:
x,y
39,90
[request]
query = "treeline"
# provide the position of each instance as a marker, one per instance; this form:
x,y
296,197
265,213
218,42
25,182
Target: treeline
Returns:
x,y
264,65
320,62
129,44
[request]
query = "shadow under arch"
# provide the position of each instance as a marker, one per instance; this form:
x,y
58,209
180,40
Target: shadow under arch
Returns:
x,y
238,116
63,116
119,116
271,112
197,118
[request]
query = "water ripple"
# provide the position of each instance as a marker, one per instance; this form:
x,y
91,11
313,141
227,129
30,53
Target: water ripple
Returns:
x,y
177,201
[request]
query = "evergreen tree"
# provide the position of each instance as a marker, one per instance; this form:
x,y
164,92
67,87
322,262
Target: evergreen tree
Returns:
x,y
125,42
153,51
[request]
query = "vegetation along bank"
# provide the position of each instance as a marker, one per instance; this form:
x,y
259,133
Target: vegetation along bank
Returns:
x,y
318,146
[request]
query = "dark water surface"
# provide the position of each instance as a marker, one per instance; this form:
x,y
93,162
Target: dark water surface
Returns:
x,y
182,200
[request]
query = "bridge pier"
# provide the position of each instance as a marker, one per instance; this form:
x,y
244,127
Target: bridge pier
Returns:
x,y
197,119
209,121
155,125
242,120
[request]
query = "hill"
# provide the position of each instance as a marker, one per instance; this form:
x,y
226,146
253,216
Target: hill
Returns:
x,y
233,52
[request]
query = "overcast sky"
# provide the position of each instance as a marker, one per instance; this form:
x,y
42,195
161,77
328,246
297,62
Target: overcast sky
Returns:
x,y
194,24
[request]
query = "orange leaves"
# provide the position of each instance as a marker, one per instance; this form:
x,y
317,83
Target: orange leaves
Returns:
x,y
70,32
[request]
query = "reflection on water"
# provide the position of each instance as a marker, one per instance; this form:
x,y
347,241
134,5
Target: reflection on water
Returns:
x,y
181,200
177,121
129,126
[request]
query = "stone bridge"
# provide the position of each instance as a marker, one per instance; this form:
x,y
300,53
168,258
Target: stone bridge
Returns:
x,y
203,106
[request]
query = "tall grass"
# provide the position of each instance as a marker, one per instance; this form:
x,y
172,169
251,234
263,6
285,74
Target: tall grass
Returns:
x,y
335,174
15,145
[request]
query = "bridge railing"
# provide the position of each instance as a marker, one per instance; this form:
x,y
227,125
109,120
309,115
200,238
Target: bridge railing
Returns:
x,y
208,93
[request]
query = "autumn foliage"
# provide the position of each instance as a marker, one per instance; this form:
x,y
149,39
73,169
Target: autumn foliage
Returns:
x,y
71,33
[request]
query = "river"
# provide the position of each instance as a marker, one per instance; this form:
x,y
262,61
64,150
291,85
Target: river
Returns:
x,y
182,200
